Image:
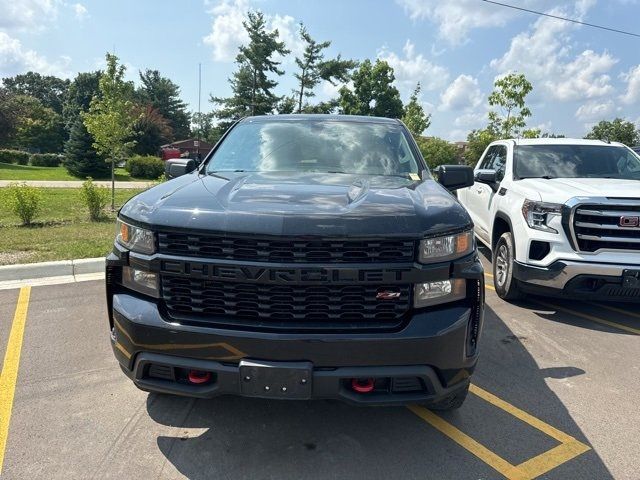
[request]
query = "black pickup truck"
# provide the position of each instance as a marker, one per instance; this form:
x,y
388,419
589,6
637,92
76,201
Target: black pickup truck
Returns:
x,y
307,256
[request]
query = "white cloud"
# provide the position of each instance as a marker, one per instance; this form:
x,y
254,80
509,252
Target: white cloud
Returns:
x,y
471,120
543,54
228,33
456,18
462,94
27,14
632,78
80,11
594,110
413,67
15,59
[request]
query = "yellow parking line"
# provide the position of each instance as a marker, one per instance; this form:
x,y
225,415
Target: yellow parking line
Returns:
x,y
9,374
483,453
568,449
617,310
592,318
488,274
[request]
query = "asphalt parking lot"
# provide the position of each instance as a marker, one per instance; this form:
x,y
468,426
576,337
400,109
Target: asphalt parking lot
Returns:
x,y
555,396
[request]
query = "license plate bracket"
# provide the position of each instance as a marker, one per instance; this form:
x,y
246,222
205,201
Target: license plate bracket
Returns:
x,y
276,379
631,278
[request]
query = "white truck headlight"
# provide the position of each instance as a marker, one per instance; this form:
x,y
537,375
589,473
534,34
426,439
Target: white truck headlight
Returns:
x,y
539,214
448,247
134,238
442,291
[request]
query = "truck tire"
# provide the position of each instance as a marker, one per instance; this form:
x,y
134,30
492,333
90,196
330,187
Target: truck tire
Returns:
x,y
503,258
452,402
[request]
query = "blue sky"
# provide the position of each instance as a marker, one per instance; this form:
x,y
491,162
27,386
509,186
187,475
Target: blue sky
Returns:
x,y
455,48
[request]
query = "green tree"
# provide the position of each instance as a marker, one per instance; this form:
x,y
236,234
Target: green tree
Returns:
x,y
81,158
37,127
204,127
531,133
79,95
509,95
10,115
164,96
373,92
313,68
110,117
251,84
49,90
151,130
618,130
414,117
437,151
477,142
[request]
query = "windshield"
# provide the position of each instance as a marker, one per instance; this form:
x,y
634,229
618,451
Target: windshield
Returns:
x,y
316,146
576,161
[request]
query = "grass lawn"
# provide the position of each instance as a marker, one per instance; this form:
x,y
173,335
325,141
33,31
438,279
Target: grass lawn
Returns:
x,y
27,172
62,230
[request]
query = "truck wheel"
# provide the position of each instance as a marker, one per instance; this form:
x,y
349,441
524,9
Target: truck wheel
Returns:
x,y
452,402
503,257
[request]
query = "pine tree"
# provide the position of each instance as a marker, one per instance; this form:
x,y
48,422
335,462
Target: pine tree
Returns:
x,y
314,68
81,159
251,85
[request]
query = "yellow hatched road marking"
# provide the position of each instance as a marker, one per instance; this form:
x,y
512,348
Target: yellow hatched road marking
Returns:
x,y
568,449
9,374
591,318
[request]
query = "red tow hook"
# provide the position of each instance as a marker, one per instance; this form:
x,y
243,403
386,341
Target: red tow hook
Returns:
x,y
199,377
362,385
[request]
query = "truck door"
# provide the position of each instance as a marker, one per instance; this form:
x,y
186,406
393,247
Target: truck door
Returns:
x,y
480,197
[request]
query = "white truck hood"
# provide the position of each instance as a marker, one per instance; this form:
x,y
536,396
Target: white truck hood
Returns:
x,y
559,190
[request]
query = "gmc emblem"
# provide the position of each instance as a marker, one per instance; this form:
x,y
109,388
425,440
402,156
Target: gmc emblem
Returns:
x,y
629,222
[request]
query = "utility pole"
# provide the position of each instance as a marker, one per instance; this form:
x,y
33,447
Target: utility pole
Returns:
x,y
199,112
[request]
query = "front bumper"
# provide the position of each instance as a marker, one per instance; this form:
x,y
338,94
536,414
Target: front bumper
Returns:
x,y
433,347
603,281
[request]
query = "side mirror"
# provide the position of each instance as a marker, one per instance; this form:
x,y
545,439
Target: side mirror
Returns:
x,y
179,166
488,177
453,177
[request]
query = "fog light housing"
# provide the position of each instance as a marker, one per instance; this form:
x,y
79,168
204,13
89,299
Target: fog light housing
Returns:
x,y
442,291
141,281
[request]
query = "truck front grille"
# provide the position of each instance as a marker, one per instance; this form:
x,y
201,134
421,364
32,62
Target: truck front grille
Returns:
x,y
317,306
610,227
286,250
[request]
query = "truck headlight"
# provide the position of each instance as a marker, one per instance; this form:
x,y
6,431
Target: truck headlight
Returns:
x,y
442,291
136,239
538,214
448,247
141,281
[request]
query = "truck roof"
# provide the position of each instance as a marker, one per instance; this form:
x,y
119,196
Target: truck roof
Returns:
x,y
319,116
560,141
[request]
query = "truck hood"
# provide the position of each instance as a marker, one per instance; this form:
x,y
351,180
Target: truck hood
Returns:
x,y
559,190
299,204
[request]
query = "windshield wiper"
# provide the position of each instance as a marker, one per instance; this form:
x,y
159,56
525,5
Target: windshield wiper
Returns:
x,y
546,177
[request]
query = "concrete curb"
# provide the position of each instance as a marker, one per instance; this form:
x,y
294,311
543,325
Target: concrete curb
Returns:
x,y
29,271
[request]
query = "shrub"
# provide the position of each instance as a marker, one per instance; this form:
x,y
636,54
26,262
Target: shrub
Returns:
x,y
145,167
45,160
14,156
23,200
95,198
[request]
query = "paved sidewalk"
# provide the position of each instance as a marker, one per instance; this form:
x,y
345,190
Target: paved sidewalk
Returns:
x,y
75,183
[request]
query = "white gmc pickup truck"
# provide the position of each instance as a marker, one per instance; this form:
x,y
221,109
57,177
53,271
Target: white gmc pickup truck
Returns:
x,y
561,216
